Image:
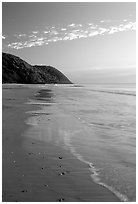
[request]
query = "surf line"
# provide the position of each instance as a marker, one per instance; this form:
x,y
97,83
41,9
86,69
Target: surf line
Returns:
x,y
92,168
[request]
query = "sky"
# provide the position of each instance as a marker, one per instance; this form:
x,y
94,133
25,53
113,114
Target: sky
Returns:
x,y
90,42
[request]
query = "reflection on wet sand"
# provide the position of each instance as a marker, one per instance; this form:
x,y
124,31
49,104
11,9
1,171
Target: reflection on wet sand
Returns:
x,y
40,118
45,95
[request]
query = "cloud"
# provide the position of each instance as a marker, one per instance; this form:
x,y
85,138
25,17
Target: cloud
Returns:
x,y
113,30
63,29
32,36
127,27
45,31
35,32
69,32
90,24
103,30
105,21
53,32
20,35
93,33
130,26
72,25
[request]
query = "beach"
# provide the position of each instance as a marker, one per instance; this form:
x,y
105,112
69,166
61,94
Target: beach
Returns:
x,y
68,101
39,163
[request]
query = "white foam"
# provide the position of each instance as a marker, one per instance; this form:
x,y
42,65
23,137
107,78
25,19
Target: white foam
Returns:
x,y
95,172
33,102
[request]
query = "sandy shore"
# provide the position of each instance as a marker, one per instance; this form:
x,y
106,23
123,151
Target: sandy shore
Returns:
x,y
36,170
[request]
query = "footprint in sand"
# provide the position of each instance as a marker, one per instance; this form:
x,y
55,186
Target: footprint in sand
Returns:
x,y
61,174
61,199
30,153
24,191
64,173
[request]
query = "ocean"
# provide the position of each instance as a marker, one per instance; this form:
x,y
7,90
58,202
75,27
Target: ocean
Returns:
x,y
99,129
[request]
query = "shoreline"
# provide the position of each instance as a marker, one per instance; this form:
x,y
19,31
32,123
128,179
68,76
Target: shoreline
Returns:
x,y
36,170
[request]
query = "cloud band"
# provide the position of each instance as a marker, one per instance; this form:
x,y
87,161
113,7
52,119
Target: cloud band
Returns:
x,y
69,32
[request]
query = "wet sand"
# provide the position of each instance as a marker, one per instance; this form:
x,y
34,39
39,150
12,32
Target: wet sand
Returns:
x,y
36,170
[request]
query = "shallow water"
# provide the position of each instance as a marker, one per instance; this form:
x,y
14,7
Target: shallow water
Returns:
x,y
97,123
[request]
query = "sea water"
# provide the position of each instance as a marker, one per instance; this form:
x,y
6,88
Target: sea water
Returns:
x,y
107,141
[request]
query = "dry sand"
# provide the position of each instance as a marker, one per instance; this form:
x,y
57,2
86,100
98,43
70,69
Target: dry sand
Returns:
x,y
40,171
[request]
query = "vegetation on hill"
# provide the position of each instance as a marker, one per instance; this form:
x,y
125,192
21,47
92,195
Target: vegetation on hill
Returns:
x,y
16,70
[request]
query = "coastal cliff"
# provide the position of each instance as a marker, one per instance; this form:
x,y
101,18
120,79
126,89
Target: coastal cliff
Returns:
x,y
16,70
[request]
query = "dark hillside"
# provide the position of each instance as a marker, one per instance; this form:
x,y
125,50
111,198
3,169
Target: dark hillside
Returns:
x,y
16,70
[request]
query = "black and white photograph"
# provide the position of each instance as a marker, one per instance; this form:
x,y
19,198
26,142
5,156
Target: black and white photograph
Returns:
x,y
68,101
